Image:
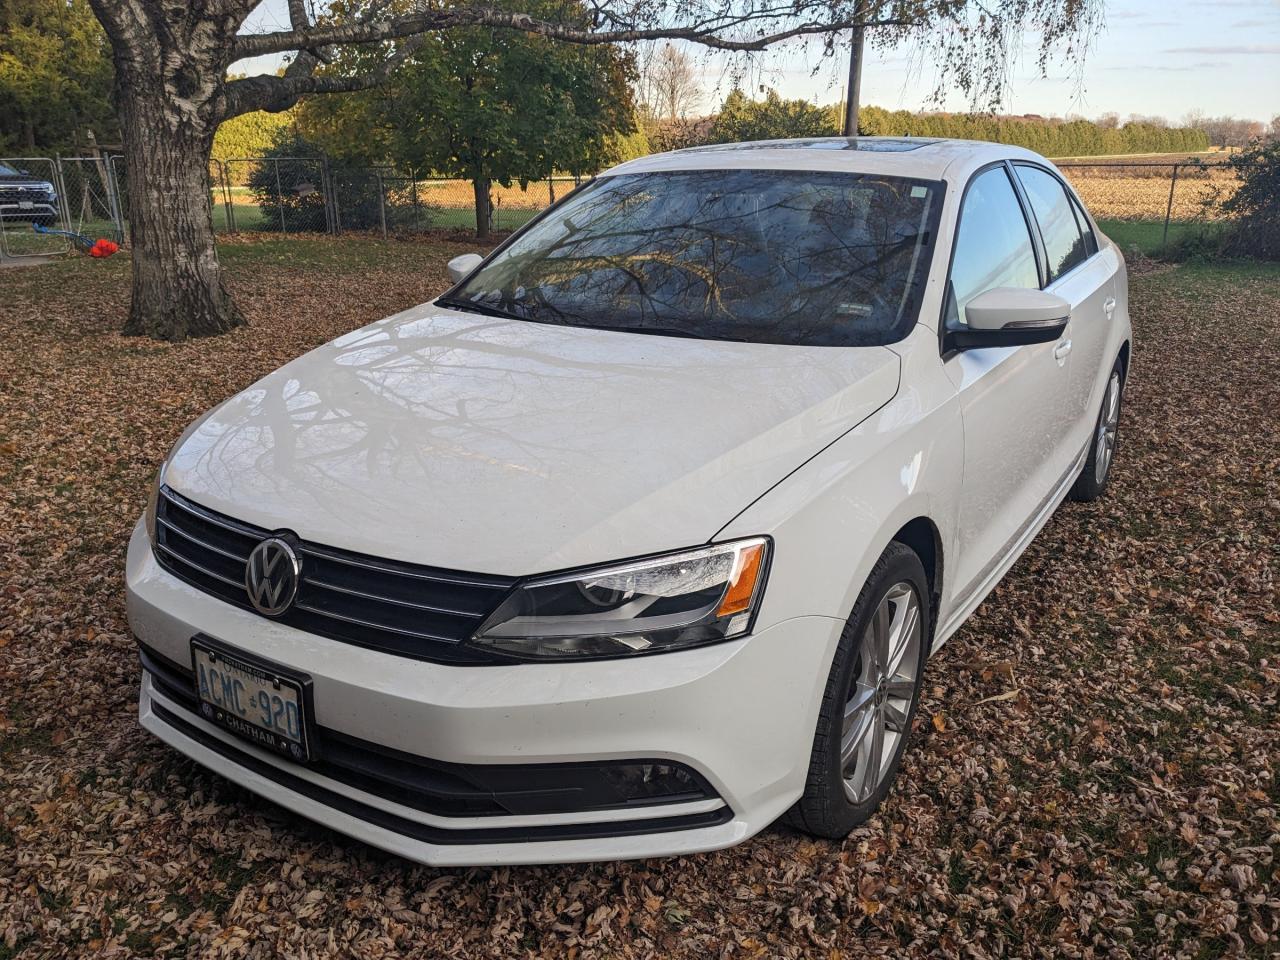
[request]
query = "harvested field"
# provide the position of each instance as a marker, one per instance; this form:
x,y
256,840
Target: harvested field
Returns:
x,y
1114,192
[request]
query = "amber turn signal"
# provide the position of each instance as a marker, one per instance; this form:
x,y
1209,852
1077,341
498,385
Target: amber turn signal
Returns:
x,y
743,584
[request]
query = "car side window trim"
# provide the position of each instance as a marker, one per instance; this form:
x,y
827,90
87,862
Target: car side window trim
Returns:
x,y
1033,234
1086,228
1083,223
1033,225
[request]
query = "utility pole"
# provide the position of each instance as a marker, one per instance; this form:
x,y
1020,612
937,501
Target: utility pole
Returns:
x,y
855,73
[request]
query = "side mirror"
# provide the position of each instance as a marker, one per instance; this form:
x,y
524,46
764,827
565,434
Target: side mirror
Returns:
x,y
1011,317
461,266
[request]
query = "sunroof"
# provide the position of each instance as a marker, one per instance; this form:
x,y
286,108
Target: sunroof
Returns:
x,y
863,144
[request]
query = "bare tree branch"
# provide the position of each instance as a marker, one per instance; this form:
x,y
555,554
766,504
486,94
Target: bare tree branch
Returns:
x,y
276,94
709,33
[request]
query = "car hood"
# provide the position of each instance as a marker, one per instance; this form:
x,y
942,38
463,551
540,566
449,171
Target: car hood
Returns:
x,y
508,447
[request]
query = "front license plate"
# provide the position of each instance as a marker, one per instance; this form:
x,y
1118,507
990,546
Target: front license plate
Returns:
x,y
261,704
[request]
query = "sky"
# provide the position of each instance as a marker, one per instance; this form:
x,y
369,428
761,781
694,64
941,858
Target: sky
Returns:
x,y
1161,57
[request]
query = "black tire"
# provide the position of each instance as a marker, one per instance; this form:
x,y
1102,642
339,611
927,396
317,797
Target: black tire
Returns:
x,y
1092,482
826,809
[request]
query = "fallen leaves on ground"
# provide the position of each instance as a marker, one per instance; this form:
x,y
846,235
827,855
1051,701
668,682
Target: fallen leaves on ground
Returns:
x,y
1093,774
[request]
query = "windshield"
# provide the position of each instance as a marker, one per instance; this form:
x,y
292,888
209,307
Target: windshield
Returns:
x,y
766,256
7,171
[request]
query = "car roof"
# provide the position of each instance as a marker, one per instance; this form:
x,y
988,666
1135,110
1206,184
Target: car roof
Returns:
x,y
919,157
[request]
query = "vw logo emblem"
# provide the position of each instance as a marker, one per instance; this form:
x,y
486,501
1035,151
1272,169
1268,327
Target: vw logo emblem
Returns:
x,y
271,576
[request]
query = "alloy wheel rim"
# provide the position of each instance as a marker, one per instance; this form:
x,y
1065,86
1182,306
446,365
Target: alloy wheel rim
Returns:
x,y
1107,424
879,701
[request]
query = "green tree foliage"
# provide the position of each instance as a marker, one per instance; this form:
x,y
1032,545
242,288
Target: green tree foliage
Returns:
x,y
620,147
1053,138
742,119
55,77
483,104
290,185
250,134
1254,208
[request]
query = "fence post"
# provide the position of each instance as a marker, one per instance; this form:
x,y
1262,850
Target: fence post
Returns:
x,y
327,192
231,207
1168,210
382,207
227,205
413,190
337,205
61,182
279,196
125,226
113,198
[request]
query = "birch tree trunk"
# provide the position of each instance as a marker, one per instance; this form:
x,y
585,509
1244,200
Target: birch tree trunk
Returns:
x,y
178,289
170,63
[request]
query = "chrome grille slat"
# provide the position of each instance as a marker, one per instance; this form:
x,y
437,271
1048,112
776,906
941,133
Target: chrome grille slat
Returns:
x,y
369,623
425,607
215,518
177,557
386,605
202,543
381,567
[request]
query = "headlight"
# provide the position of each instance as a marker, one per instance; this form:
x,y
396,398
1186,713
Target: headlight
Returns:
x,y
644,606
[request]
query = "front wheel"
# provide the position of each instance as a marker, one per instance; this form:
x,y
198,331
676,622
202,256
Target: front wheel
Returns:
x,y
1092,481
870,699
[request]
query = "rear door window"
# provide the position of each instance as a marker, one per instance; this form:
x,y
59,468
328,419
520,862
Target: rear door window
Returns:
x,y
1064,245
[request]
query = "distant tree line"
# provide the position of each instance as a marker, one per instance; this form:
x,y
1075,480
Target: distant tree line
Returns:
x,y
774,118
1233,132
1050,137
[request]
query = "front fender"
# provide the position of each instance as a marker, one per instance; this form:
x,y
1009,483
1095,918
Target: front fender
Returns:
x,y
832,517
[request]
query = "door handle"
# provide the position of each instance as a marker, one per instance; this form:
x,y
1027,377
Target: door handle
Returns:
x,y
1061,350
1109,306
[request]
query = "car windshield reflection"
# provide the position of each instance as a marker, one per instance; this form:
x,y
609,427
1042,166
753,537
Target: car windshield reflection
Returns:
x,y
767,256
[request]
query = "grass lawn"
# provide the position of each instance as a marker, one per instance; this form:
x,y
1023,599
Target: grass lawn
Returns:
x,y
1094,770
401,219
1146,236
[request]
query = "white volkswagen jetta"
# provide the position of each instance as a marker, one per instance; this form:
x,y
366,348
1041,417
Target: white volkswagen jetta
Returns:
x,y
639,537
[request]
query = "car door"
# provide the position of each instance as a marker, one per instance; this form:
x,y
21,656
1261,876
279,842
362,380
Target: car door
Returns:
x,y
1084,277
1014,401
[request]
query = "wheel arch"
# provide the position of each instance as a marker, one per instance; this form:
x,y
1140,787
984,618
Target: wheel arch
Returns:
x,y
920,535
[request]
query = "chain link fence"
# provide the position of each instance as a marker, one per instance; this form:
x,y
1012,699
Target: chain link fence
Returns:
x,y
1171,197
292,195
44,199
1149,202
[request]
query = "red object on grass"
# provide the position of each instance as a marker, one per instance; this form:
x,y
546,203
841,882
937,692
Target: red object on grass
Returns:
x,y
103,248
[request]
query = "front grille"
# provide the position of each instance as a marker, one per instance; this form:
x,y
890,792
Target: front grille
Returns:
x,y
453,789
399,608
13,195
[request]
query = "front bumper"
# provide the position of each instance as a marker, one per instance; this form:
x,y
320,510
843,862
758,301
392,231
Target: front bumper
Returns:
x,y
35,210
740,714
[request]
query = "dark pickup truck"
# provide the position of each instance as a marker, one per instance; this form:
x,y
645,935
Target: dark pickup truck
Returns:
x,y
25,197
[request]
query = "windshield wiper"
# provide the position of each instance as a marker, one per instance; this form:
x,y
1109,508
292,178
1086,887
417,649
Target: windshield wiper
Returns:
x,y
663,332
470,306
